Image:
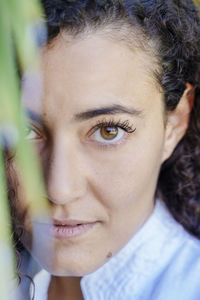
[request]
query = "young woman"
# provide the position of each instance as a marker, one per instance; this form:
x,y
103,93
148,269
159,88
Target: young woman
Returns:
x,y
116,125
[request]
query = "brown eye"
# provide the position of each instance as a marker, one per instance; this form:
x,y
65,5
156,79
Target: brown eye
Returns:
x,y
109,133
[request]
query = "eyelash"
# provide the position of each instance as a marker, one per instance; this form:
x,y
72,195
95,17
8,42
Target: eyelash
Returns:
x,y
124,125
33,128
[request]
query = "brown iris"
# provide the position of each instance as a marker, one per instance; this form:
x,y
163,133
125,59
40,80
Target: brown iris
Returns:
x,y
109,132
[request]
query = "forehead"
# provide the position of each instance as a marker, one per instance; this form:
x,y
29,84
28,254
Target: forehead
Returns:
x,y
79,74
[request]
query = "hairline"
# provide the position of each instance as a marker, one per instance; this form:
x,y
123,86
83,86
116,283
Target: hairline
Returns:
x,y
122,31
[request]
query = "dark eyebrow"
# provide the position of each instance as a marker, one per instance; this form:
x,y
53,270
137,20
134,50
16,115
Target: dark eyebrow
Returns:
x,y
110,110
34,116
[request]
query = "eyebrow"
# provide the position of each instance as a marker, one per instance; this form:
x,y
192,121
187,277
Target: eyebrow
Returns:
x,y
34,116
89,114
110,110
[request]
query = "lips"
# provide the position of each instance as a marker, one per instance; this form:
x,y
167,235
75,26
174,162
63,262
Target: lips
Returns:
x,y
65,229
70,222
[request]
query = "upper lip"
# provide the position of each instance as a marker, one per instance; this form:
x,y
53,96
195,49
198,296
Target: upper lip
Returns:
x,y
70,222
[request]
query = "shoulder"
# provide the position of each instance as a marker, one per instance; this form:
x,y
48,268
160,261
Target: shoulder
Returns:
x,y
173,240
173,256
180,277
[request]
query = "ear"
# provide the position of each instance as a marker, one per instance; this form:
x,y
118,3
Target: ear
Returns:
x,y
177,122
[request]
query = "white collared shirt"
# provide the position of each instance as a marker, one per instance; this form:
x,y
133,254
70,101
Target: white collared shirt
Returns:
x,y
160,262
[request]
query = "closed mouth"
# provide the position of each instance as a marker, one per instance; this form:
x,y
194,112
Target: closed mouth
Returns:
x,y
69,229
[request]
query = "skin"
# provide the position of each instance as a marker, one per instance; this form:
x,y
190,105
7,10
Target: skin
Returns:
x,y
111,182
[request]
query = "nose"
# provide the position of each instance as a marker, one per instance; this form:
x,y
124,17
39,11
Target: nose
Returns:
x,y
65,179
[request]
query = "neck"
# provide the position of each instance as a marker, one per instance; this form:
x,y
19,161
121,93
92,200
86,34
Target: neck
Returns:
x,y
64,288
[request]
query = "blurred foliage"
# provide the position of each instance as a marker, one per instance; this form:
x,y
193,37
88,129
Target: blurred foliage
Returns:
x,y
18,50
197,3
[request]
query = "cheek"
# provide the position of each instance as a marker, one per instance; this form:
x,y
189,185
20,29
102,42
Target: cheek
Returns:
x,y
123,174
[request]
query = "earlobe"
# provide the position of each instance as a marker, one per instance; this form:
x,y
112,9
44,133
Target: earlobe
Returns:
x,y
177,122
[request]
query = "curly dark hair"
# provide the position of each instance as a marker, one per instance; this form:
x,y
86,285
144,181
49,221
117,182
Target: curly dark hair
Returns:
x,y
174,28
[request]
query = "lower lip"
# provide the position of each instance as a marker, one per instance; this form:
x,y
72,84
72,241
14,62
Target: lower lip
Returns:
x,y
66,231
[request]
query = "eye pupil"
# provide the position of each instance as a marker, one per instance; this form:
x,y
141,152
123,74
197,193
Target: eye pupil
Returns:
x,y
109,133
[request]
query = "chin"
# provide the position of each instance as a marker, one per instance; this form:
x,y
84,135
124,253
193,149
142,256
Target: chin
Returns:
x,y
72,267
75,270
68,259
78,268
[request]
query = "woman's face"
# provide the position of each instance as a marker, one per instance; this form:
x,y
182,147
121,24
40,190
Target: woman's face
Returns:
x,y
98,126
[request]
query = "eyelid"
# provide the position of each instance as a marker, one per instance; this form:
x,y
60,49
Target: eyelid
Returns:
x,y
125,126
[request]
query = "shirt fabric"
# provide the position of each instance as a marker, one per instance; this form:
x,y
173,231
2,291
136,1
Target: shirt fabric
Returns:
x,y
160,262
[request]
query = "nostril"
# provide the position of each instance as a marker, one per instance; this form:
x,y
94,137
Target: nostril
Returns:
x,y
57,201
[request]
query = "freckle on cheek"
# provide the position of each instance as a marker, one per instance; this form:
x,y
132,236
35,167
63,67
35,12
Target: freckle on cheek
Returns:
x,y
109,255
